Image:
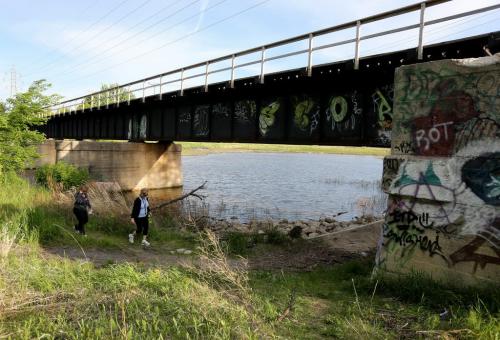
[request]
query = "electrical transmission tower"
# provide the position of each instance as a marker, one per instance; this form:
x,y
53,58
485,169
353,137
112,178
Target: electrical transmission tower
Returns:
x,y
13,81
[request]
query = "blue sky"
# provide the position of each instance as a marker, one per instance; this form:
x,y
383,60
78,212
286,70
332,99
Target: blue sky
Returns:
x,y
78,45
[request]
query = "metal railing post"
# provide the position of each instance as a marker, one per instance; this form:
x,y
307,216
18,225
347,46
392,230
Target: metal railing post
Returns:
x,y
231,84
91,102
182,82
356,50
420,48
117,97
309,55
206,76
143,91
99,101
107,99
161,81
262,60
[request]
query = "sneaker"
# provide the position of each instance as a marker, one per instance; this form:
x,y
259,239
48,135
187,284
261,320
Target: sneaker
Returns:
x,y
145,243
131,238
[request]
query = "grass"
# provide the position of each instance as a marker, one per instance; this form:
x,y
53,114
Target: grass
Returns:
x,y
202,148
345,302
43,296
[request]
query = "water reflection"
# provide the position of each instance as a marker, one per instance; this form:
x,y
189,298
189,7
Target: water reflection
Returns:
x,y
292,186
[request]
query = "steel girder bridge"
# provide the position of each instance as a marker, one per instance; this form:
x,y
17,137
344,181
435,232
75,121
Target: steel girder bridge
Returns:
x,y
347,102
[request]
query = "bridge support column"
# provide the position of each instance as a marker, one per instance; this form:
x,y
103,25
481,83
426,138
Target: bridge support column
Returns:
x,y
442,176
132,165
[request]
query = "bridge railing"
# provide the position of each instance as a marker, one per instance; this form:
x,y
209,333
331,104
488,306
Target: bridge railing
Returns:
x,y
158,84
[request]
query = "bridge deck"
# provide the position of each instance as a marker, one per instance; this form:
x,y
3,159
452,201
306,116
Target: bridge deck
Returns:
x,y
336,105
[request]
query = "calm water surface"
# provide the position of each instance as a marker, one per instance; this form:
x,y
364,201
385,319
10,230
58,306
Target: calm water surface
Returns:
x,y
291,186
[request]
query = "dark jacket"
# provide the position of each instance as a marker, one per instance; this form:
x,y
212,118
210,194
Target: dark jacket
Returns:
x,y
137,208
82,201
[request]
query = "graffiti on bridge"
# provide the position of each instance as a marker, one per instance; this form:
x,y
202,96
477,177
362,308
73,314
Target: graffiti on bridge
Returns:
x,y
201,120
382,104
449,190
343,112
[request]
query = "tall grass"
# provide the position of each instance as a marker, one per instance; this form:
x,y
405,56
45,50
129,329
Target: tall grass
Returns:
x,y
43,296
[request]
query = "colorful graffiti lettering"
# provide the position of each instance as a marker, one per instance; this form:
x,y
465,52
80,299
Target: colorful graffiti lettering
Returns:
x,y
382,106
343,114
267,116
306,115
445,192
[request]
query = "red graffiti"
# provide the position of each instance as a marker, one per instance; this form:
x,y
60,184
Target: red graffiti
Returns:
x,y
435,134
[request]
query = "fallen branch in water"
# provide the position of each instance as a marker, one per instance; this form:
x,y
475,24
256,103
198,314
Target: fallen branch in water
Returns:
x,y
191,193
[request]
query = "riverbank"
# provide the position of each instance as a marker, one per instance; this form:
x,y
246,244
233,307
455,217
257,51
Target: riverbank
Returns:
x,y
56,284
203,148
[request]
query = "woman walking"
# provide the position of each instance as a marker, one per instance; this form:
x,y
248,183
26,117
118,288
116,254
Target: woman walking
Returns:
x,y
81,209
140,216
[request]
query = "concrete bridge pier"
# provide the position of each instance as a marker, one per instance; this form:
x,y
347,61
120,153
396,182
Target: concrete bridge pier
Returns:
x,y
131,165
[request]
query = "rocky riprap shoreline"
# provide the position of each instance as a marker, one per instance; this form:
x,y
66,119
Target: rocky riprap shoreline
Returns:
x,y
295,229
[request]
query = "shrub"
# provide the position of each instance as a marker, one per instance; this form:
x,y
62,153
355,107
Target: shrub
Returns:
x,y
66,174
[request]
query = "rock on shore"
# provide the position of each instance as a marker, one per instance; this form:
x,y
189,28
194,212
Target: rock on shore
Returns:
x,y
295,229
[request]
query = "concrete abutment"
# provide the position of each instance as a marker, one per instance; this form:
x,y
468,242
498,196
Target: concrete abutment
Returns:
x,y
131,165
443,174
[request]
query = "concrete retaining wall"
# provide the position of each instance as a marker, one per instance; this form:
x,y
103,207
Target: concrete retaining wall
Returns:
x,y
132,165
443,175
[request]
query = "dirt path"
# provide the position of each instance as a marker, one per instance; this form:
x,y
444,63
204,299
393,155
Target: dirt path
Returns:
x,y
338,247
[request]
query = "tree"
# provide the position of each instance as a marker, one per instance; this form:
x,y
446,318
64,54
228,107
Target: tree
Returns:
x,y
107,97
21,115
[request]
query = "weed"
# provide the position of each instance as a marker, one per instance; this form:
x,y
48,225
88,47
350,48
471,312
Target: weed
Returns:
x,y
62,173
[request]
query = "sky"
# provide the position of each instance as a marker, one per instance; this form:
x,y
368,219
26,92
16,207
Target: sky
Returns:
x,y
79,45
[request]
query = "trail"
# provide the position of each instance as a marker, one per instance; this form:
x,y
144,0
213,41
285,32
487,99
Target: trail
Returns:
x,y
339,247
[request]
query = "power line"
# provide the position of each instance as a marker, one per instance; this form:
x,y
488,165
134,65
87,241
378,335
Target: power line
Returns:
x,y
431,32
89,63
63,28
468,28
182,37
127,38
85,31
13,81
112,24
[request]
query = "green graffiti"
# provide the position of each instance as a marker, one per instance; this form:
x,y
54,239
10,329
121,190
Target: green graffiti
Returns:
x,y
301,113
427,178
338,108
268,116
383,109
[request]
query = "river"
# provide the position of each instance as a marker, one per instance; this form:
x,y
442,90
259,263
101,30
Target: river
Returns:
x,y
286,186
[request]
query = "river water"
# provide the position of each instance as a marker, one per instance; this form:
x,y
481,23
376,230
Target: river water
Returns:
x,y
292,186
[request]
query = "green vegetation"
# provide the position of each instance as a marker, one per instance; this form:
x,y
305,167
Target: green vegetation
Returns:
x,y
344,302
42,294
201,148
109,94
236,243
18,117
61,173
